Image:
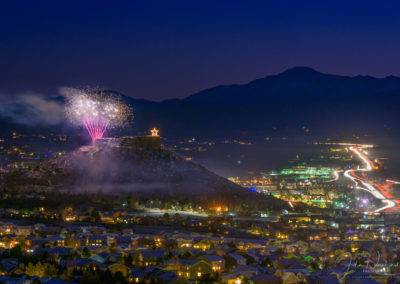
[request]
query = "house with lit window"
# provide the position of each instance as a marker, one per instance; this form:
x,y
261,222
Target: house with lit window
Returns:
x,y
97,240
217,263
197,269
236,259
148,257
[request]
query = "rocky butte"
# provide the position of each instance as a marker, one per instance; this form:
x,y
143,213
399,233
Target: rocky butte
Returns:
x,y
138,166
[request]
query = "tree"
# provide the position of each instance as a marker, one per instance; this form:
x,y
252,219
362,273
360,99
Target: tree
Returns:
x,y
30,269
51,270
16,252
85,252
90,277
36,270
96,215
65,275
107,276
185,255
119,278
177,217
267,262
166,217
128,260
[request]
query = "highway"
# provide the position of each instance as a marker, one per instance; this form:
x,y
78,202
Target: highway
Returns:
x,y
361,182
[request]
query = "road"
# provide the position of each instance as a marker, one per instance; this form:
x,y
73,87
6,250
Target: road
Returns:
x,y
380,192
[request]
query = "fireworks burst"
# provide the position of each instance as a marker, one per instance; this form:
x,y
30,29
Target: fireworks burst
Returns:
x,y
96,110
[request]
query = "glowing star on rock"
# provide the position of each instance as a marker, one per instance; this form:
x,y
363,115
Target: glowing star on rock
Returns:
x,y
154,132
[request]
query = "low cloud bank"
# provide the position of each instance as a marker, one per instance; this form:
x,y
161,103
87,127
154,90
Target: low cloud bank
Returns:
x,y
31,109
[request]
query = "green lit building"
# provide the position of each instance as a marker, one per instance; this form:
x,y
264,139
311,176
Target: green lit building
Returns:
x,y
307,173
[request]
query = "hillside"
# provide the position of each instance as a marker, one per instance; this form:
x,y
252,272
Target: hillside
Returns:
x,y
146,173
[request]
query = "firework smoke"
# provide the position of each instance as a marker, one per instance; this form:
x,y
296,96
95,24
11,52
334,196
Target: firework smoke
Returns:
x,y
95,110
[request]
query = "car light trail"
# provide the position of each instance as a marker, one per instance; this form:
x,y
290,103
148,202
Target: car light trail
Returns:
x,y
390,204
336,176
378,191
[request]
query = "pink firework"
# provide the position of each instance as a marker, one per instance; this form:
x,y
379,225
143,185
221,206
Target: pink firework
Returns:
x,y
96,111
96,127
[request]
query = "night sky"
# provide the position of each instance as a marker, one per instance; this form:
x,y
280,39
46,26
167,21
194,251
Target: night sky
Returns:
x,y
171,49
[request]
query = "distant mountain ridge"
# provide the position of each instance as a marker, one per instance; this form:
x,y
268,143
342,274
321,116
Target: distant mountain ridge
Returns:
x,y
301,81
279,105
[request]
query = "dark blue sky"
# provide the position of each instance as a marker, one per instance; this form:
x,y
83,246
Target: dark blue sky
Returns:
x,y
165,49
